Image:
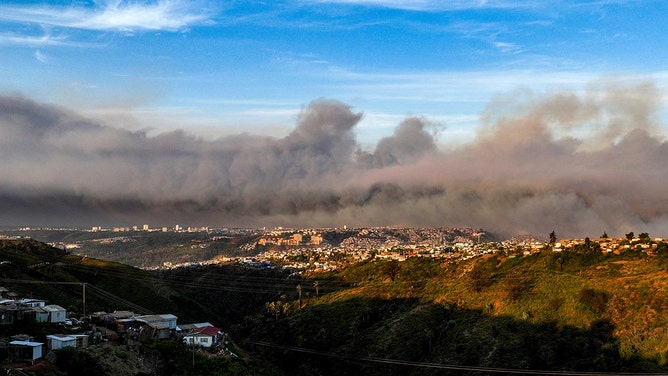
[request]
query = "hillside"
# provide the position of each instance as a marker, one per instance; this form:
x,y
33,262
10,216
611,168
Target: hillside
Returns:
x,y
32,268
144,248
149,249
550,311
559,311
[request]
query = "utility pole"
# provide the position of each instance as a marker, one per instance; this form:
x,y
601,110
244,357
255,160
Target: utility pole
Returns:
x,y
192,341
84,299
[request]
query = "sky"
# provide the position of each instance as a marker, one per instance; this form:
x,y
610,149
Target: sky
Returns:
x,y
517,116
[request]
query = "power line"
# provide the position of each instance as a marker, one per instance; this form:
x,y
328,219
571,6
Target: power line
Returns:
x,y
451,367
95,289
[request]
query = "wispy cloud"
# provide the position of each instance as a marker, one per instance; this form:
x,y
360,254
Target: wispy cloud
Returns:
x,y
35,41
436,5
118,15
41,56
456,5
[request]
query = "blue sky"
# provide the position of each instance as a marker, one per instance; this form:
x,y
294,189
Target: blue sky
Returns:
x,y
216,68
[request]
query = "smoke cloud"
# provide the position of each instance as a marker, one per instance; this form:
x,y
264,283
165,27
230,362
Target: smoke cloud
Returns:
x,y
577,163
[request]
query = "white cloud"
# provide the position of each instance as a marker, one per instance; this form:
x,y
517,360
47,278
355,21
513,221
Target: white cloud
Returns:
x,y
116,15
436,5
35,41
41,57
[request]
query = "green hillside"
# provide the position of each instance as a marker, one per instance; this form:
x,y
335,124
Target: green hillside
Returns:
x,y
34,269
550,311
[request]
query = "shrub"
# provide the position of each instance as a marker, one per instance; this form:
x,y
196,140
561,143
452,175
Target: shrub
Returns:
x,y
595,300
76,362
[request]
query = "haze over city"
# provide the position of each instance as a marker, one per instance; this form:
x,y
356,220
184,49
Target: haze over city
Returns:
x,y
515,117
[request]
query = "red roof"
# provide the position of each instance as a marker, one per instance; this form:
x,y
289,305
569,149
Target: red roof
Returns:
x,y
208,330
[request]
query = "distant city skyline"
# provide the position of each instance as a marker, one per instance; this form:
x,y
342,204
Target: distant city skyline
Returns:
x,y
512,116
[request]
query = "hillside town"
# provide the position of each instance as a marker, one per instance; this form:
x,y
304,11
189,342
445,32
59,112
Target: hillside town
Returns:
x,y
376,244
327,249
313,250
66,330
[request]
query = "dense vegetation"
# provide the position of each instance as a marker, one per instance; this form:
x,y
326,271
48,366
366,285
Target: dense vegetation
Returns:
x,y
564,311
578,311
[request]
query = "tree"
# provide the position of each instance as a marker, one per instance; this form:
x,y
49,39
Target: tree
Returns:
x,y
299,292
561,261
480,277
274,309
392,269
630,236
605,235
553,238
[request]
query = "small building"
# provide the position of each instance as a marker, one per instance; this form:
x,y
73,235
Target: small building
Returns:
x,y
120,315
25,351
59,341
148,327
39,314
167,320
32,303
7,315
51,313
202,337
82,340
187,328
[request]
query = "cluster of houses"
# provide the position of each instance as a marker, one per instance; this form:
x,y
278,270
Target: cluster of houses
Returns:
x,y
119,325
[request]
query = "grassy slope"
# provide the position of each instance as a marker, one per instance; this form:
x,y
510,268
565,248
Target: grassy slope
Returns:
x,y
32,261
589,313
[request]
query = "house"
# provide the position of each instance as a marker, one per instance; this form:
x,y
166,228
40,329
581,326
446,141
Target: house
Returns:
x,y
59,341
167,320
25,351
32,303
202,337
187,328
40,314
51,313
119,315
82,340
7,315
147,327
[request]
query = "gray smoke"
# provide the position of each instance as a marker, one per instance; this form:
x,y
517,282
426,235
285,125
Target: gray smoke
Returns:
x,y
578,164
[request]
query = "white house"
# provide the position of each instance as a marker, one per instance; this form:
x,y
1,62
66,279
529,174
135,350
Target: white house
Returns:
x,y
202,337
56,313
59,341
186,328
25,350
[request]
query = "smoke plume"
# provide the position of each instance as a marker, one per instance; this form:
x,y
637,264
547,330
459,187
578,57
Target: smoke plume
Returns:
x,y
577,163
